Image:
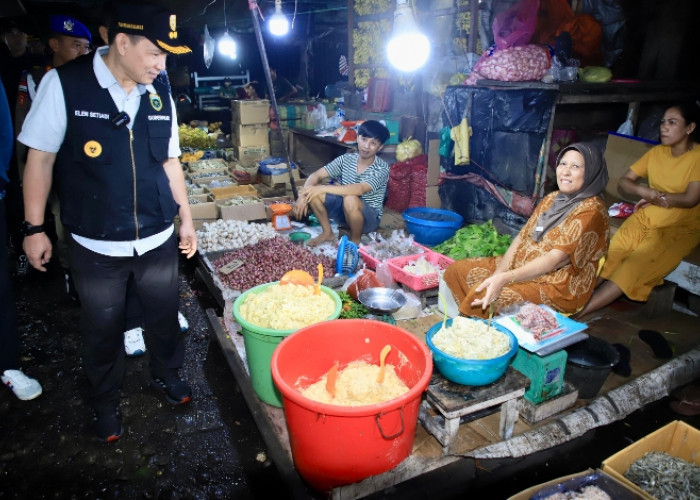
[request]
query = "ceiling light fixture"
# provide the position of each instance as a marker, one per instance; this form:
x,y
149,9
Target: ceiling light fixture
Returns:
x,y
278,24
408,49
227,45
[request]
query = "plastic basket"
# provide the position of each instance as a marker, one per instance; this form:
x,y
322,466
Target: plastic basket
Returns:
x,y
372,262
418,282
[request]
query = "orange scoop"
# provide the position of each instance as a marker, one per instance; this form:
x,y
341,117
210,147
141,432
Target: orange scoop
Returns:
x,y
332,377
297,277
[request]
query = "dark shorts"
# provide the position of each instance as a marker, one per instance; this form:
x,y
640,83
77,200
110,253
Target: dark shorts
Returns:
x,y
334,207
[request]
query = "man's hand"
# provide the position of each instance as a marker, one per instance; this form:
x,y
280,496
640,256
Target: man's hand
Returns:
x,y
188,240
38,249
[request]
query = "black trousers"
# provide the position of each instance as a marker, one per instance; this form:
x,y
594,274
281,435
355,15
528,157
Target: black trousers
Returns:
x,y
9,337
101,282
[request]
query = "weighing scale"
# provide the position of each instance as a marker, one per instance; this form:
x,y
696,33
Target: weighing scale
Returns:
x,y
280,217
382,303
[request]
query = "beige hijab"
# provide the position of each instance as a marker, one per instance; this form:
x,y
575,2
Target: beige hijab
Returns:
x,y
595,178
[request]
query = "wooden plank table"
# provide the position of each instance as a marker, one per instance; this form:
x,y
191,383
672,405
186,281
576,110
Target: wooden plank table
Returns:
x,y
452,402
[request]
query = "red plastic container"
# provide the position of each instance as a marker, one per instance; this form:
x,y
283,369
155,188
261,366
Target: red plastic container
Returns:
x,y
335,445
378,95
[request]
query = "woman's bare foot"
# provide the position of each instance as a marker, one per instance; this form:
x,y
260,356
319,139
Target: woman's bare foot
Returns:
x,y
321,238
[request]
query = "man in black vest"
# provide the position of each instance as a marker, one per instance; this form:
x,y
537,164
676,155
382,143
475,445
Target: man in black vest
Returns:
x,y
105,131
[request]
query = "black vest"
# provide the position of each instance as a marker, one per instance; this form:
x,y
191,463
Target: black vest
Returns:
x,y
111,182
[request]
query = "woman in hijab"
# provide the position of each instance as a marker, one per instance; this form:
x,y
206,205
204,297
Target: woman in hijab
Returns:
x,y
554,259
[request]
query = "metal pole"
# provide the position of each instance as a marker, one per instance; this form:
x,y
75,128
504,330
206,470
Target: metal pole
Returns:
x,y
254,12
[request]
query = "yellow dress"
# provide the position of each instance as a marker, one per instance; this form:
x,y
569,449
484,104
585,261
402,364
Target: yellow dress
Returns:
x,y
582,235
652,242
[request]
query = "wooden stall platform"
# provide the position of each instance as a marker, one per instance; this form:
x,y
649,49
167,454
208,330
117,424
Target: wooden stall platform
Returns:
x,y
485,436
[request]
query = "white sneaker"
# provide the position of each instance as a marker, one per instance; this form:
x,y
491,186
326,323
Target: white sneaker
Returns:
x,y
133,342
25,388
184,325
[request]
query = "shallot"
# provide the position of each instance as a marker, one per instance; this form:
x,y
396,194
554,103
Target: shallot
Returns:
x,y
268,260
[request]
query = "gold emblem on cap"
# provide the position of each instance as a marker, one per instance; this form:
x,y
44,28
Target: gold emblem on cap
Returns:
x,y
93,149
156,103
173,22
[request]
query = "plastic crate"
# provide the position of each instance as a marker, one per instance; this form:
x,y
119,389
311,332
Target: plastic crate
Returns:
x,y
418,282
372,262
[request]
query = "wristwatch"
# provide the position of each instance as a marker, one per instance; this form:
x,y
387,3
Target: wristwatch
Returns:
x,y
28,229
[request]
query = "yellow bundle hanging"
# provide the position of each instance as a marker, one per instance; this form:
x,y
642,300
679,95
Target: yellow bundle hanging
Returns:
x,y
461,134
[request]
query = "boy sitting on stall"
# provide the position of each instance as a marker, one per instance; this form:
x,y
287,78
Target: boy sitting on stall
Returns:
x,y
356,197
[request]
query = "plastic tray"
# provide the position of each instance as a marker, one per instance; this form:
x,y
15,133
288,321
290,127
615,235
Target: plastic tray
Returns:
x,y
418,282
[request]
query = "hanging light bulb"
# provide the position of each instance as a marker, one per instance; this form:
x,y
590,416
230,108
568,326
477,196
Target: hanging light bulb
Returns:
x,y
278,24
408,49
227,45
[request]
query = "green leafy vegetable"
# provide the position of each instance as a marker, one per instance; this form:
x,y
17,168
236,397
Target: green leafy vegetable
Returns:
x,y
475,240
351,308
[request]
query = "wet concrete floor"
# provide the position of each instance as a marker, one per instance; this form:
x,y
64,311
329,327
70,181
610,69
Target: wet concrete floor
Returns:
x,y
210,448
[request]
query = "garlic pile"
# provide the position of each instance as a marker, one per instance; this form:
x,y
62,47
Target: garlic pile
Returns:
x,y
230,234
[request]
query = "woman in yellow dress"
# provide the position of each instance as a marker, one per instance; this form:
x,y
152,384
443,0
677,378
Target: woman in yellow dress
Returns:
x,y
666,224
555,257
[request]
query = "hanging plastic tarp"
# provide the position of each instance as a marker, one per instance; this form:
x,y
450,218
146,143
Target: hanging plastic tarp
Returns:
x,y
508,125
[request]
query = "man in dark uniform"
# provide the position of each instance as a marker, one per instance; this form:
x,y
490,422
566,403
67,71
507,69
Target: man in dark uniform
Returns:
x,y
68,39
111,146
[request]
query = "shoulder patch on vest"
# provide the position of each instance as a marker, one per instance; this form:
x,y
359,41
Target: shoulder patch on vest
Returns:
x,y
156,103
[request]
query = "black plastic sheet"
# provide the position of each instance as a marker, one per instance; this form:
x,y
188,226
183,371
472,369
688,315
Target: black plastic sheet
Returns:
x,y
509,126
477,205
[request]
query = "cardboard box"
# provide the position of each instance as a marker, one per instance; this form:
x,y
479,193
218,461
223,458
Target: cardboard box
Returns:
x,y
248,211
248,155
573,482
212,164
250,111
231,191
206,210
433,162
432,197
203,197
198,223
250,135
272,180
678,439
621,151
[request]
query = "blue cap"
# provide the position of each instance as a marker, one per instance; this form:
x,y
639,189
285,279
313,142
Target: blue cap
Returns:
x,y
65,25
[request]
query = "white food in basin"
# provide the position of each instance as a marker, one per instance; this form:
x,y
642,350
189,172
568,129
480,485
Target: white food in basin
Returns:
x,y
470,339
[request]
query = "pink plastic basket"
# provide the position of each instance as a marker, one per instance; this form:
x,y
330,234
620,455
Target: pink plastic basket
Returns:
x,y
418,282
369,261
372,262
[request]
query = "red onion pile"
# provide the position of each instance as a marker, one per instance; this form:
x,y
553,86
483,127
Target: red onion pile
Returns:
x,y
267,261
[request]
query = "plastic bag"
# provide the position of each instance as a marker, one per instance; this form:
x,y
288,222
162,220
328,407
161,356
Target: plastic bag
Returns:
x,y
516,25
363,280
318,117
208,47
627,128
384,275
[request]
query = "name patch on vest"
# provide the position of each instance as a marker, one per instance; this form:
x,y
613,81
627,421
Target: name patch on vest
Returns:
x,y
92,114
159,118
93,149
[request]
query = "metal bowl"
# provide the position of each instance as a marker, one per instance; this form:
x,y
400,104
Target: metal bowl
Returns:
x,y
382,300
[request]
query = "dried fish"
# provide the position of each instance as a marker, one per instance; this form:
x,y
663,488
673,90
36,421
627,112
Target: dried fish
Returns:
x,y
666,477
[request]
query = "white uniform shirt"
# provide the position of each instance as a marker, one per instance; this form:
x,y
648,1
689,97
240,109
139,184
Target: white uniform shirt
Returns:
x,y
45,127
